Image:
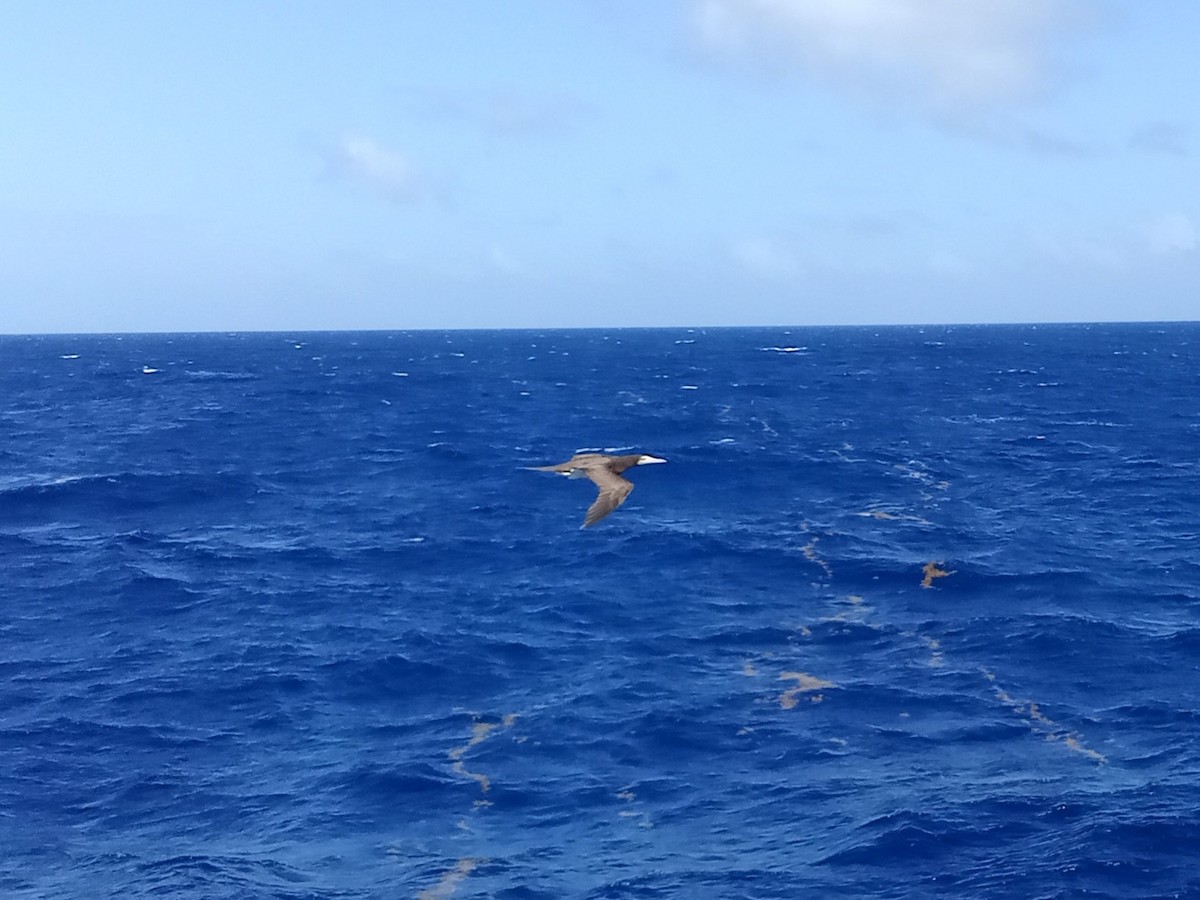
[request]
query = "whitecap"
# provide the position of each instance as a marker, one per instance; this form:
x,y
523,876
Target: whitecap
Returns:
x,y
207,375
38,482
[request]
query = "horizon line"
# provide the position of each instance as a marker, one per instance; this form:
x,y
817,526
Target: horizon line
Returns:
x,y
456,328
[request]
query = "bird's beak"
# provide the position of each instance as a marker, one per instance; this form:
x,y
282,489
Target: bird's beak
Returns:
x,y
646,460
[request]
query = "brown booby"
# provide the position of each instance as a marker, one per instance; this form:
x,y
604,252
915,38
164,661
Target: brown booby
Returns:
x,y
605,471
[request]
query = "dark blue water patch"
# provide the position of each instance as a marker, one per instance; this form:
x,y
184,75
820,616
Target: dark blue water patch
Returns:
x,y
385,788
391,676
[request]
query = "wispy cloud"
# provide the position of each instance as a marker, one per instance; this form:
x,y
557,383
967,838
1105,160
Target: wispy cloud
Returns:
x,y
947,262
1016,136
1169,138
503,112
1106,252
766,258
387,172
1120,246
949,58
1172,233
515,114
502,260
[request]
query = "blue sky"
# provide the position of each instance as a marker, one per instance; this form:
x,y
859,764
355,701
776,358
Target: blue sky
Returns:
x,y
271,165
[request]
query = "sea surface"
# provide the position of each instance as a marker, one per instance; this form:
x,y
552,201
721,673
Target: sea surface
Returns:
x,y
910,612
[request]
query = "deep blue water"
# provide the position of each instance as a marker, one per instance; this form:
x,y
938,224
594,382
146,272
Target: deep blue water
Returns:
x,y
285,617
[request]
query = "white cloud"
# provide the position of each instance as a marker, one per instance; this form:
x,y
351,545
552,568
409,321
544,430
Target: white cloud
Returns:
x,y
948,57
385,171
1172,233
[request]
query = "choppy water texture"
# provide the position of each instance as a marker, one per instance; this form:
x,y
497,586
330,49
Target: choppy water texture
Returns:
x,y
911,612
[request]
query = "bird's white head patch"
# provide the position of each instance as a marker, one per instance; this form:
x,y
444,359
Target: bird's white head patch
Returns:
x,y
645,460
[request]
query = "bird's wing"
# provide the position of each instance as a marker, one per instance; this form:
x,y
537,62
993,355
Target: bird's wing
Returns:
x,y
579,461
613,491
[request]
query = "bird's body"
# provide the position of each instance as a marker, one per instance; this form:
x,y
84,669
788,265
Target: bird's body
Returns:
x,y
605,472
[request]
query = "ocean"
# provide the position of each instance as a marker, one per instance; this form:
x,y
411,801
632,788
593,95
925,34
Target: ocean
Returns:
x,y
910,612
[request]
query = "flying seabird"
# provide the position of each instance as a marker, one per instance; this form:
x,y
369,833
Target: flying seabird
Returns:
x,y
605,471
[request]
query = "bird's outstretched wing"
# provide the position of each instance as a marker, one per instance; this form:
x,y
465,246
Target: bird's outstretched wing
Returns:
x,y
613,491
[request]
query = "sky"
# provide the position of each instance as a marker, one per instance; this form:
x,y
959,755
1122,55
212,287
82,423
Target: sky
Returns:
x,y
393,164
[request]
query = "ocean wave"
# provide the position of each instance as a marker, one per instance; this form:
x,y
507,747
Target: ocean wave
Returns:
x,y
122,490
223,876
907,833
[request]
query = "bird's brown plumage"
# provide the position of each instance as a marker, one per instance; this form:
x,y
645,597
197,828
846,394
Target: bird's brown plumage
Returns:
x,y
605,472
